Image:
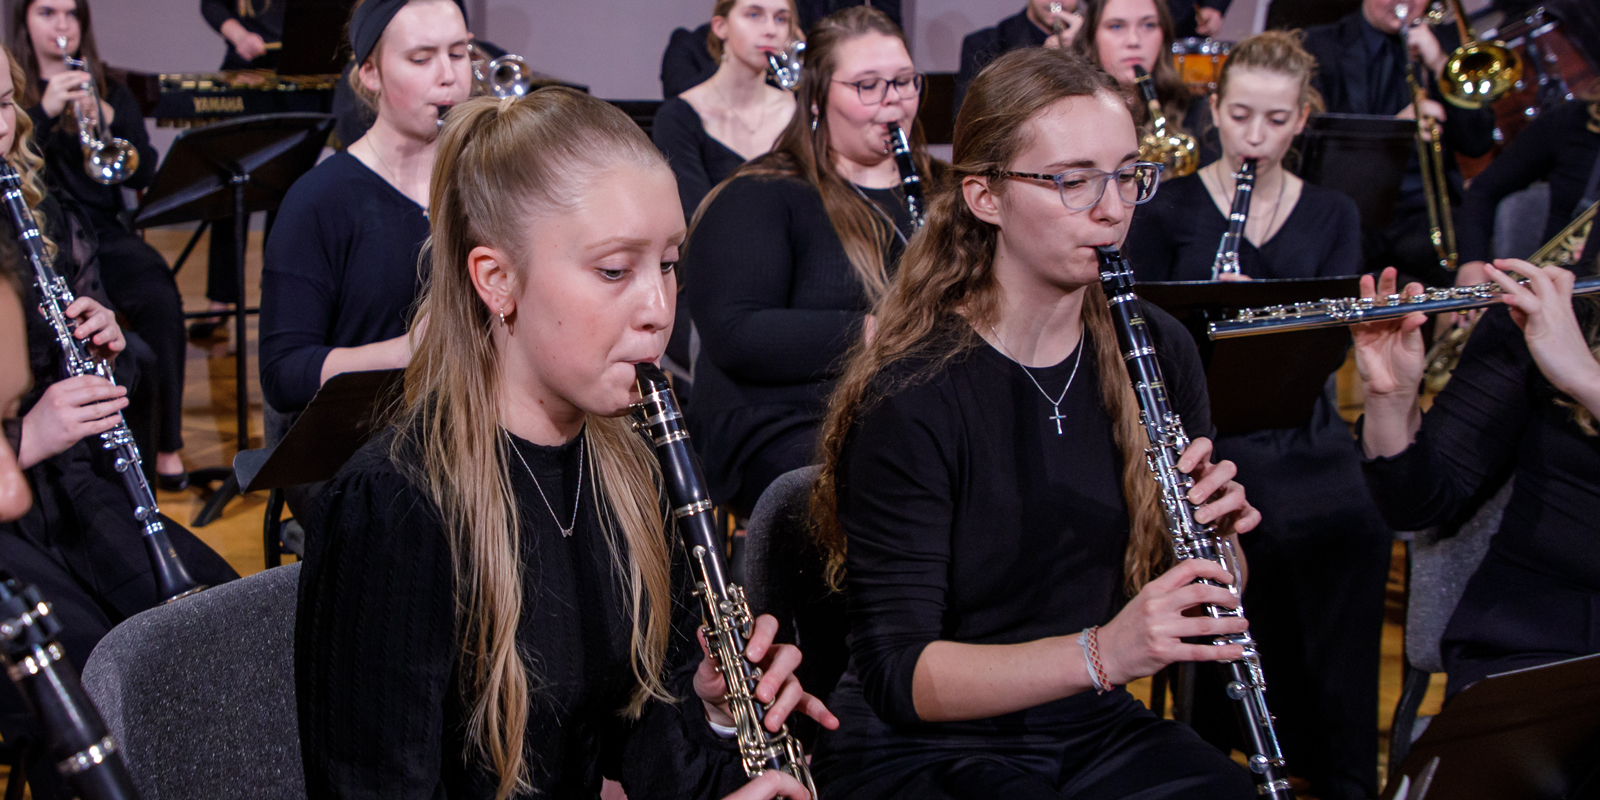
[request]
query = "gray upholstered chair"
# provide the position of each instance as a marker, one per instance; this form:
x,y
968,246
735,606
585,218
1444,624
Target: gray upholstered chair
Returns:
x,y
1439,564
200,693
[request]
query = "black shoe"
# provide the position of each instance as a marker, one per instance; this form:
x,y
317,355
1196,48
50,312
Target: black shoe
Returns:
x,y
172,483
206,329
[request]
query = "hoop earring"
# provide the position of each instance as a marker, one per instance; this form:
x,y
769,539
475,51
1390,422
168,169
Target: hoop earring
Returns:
x,y
502,313
813,124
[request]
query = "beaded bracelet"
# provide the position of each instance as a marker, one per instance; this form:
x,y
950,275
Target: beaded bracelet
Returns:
x,y
1089,641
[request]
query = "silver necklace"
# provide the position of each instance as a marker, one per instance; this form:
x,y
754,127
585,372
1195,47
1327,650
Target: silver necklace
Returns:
x,y
761,120
566,530
1056,403
881,213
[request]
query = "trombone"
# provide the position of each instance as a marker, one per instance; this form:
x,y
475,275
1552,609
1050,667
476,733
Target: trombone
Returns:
x,y
107,159
1430,153
1477,73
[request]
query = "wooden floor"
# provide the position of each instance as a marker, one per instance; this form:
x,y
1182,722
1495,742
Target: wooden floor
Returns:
x,y
210,440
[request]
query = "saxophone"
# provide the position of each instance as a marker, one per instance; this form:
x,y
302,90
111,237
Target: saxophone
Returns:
x,y
1163,144
1227,260
172,578
910,181
725,612
88,758
1190,539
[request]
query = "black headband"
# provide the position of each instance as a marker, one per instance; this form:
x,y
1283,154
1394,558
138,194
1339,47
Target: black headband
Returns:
x,y
369,21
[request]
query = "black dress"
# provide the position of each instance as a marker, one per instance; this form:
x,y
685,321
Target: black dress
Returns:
x,y
777,304
699,160
377,648
266,22
1319,559
1558,147
340,271
1533,599
969,519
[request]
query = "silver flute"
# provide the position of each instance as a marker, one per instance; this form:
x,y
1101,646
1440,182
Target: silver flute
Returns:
x,y
1247,685
1353,310
910,180
172,579
724,610
1227,260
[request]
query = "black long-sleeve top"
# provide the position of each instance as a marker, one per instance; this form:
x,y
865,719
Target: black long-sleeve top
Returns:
x,y
266,22
63,154
341,270
686,62
1174,237
377,648
969,519
1535,591
699,160
1558,147
777,304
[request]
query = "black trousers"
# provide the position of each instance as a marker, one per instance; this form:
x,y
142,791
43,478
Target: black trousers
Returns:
x,y
142,288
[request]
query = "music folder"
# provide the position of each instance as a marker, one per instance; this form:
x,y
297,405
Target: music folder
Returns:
x,y
1361,155
1258,382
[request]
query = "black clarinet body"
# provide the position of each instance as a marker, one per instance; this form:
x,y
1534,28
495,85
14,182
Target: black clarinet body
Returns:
x,y
1227,260
910,179
172,578
85,753
724,610
1189,538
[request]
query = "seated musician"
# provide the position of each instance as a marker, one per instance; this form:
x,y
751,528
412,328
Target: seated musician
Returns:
x,y
1119,34
791,251
501,612
1035,25
1561,146
137,279
984,491
1362,62
1320,628
710,129
79,542
1522,403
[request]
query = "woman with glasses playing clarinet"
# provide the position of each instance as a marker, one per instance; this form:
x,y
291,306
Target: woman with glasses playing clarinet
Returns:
x,y
1320,558
790,252
984,495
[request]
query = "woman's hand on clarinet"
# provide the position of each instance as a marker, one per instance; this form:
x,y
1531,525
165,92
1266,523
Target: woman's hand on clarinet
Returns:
x,y
1148,633
69,410
64,88
770,784
1543,309
1220,498
96,324
778,688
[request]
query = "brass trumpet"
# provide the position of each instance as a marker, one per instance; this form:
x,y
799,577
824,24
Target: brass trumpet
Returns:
x,y
107,159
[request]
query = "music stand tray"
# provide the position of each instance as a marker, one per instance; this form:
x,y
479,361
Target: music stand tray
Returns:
x,y
1258,383
233,169
1362,155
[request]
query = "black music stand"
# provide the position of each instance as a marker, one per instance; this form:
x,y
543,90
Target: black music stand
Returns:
x,y
1530,734
1258,382
339,420
1361,155
227,170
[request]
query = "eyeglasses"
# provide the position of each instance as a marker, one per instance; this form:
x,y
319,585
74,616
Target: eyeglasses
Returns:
x,y
873,91
1081,189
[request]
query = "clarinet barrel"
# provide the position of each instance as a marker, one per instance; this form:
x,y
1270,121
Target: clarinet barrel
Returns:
x,y
85,753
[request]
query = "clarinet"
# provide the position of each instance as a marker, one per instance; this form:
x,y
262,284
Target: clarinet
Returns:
x,y
86,755
910,181
1189,538
172,579
1227,260
725,612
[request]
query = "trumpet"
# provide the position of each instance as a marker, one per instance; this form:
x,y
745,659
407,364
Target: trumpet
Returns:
x,y
107,159
785,66
506,76
1163,145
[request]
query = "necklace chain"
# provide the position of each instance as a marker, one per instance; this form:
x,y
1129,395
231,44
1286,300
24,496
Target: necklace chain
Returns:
x,y
1056,403
886,218
761,120
566,530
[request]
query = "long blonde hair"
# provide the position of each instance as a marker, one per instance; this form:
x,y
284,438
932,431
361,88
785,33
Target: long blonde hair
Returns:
x,y
24,157
946,289
499,161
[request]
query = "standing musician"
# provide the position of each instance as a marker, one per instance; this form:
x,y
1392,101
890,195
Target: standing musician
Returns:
x,y
1036,25
342,271
789,254
493,607
709,130
136,277
984,493
1362,62
1521,402
1120,34
1321,554
79,543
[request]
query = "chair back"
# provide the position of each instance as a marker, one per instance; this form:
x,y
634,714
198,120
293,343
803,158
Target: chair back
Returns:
x,y
1441,565
199,693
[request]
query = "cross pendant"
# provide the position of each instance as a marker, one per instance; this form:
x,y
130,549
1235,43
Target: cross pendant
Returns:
x,y
1057,418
